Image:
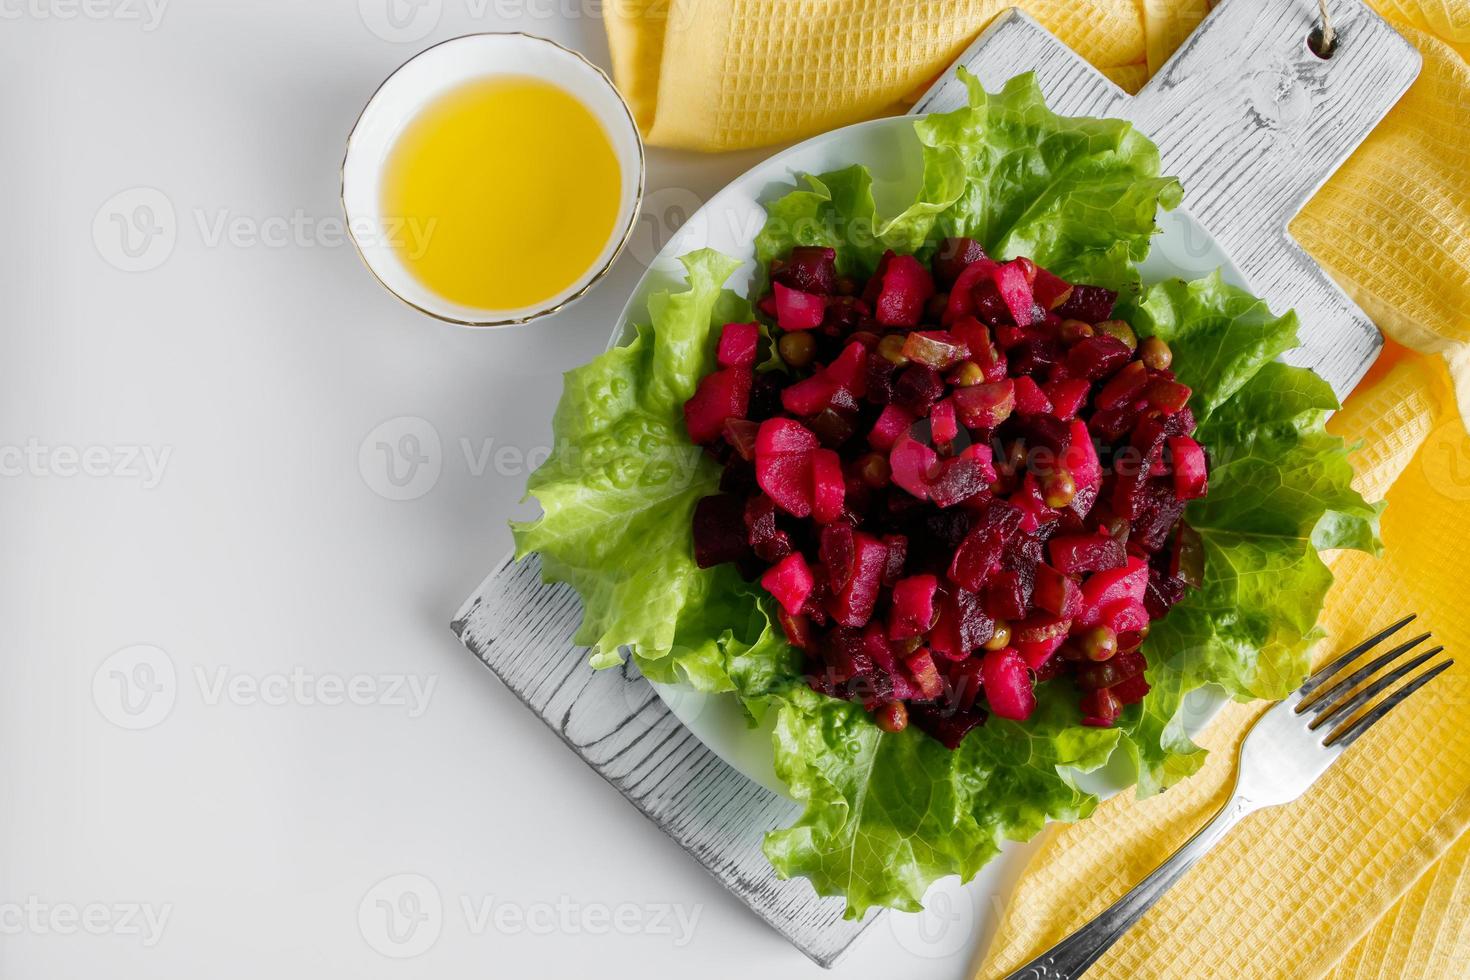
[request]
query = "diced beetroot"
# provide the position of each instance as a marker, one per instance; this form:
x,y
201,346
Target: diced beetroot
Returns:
x,y
1126,616
986,406
1008,593
1030,399
918,387
1162,593
898,553
1167,396
913,607
1123,387
1056,593
837,552
740,434
768,541
937,348
925,673
853,605
849,370
1114,585
990,308
1036,654
1015,289
1110,424
907,286
945,726
976,558
961,294
738,344
719,530
892,422
798,310
1028,267
767,305
886,658
1072,554
1067,396
1050,291
807,396
785,473
790,581
1007,684
783,436
1130,691
943,425
960,478
828,486
1159,510
1097,357
1190,477
1090,304
1100,708
719,396
913,464
1080,458
983,457
809,268
1034,511
954,255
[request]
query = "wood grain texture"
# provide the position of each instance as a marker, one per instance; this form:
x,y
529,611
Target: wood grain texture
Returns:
x,y
522,630
1253,123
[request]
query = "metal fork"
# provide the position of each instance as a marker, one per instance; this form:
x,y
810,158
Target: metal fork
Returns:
x,y
1282,755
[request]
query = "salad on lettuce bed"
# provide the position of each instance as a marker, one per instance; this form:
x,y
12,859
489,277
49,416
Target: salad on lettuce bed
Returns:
x,y
1007,185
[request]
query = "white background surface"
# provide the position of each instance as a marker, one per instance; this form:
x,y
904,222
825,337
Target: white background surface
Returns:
x,y
260,371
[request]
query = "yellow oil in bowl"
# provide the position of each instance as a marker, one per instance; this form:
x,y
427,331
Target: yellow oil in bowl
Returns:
x,y
512,187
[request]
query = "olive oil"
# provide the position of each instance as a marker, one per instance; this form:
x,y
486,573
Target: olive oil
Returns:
x,y
513,188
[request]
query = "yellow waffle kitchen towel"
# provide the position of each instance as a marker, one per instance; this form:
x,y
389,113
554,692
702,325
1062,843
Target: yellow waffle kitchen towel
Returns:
x,y
1369,875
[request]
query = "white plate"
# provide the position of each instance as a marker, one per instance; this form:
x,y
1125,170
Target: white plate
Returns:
x,y
729,223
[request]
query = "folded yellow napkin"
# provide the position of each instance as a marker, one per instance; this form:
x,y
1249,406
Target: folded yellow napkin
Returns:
x,y
1369,875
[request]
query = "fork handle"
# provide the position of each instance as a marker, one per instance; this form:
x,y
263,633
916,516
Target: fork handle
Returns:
x,y
1073,955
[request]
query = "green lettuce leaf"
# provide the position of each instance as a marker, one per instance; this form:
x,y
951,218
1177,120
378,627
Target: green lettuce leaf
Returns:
x,y
1280,490
619,490
1078,195
888,814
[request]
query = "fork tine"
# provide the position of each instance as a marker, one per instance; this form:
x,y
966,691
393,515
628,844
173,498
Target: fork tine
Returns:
x,y
1327,670
1349,732
1346,708
1320,698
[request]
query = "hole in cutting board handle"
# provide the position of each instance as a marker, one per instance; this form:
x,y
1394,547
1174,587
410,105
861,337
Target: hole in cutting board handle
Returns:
x,y
1315,45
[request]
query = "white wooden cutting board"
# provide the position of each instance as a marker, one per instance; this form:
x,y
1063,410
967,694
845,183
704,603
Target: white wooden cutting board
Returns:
x,y
1252,122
